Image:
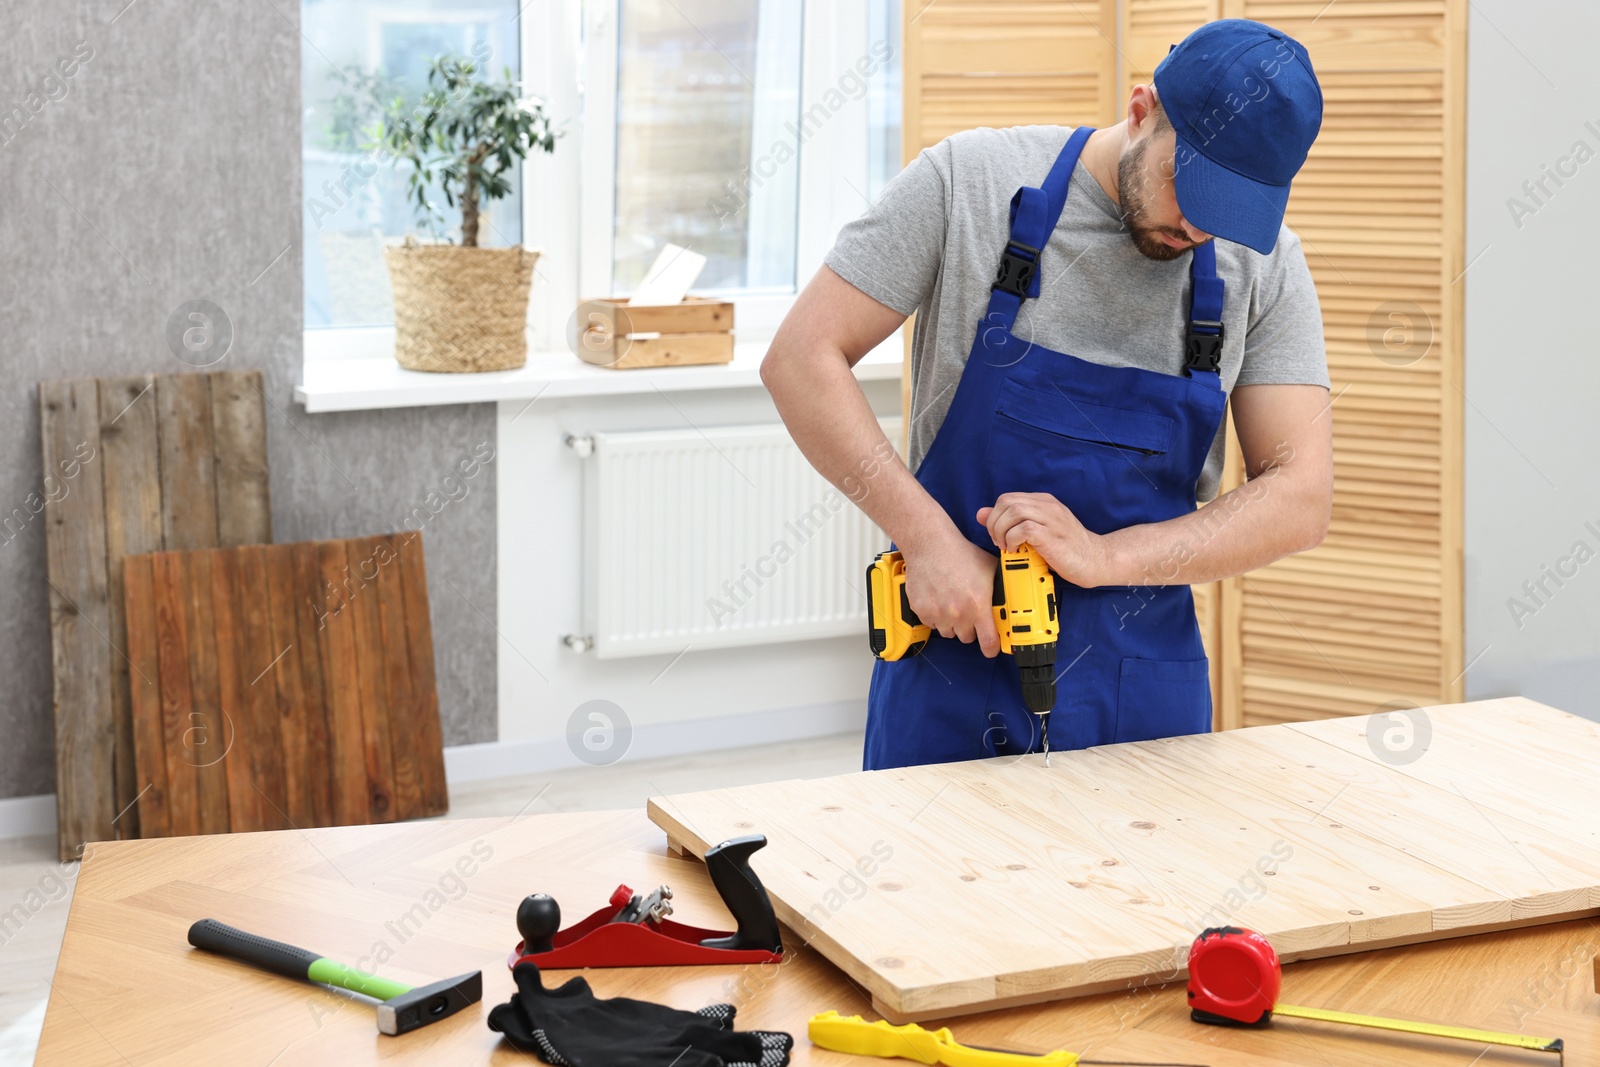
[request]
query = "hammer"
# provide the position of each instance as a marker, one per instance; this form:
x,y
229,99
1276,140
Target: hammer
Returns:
x,y
404,1008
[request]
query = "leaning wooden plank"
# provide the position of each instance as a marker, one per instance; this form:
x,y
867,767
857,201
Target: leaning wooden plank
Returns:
x,y
177,698
257,706
335,628
211,734
144,697
286,681
363,564
130,476
435,799
303,601
239,431
237,760
188,485
80,616
319,722
406,731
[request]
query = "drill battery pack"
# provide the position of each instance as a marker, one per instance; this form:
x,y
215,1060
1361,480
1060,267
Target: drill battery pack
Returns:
x,y
893,629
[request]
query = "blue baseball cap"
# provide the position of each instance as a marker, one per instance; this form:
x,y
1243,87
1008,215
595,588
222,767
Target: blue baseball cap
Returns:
x,y
1246,106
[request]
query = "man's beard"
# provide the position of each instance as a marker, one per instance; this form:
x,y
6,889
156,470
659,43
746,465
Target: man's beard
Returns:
x,y
1136,209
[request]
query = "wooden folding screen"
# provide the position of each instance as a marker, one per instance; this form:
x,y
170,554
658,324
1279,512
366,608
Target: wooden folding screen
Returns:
x,y
973,63
1373,615
131,465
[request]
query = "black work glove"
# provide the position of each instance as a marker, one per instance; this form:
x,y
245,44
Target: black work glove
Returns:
x,y
570,1027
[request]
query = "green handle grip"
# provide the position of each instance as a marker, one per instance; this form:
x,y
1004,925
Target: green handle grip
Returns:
x,y
287,960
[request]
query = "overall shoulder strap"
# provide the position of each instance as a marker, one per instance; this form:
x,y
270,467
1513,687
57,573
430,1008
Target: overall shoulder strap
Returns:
x,y
1034,214
1202,348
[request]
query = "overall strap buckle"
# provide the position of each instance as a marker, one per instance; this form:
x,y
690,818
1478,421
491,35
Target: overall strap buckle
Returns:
x,y
1203,346
1203,339
1016,270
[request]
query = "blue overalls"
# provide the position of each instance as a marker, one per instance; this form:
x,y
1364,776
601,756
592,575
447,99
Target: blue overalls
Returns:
x,y
1119,446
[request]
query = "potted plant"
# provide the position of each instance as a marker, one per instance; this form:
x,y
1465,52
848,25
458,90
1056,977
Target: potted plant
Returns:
x,y
461,307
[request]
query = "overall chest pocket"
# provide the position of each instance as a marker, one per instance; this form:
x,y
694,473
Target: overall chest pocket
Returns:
x,y
1113,467
1138,433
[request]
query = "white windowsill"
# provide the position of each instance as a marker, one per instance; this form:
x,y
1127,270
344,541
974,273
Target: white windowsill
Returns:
x,y
355,370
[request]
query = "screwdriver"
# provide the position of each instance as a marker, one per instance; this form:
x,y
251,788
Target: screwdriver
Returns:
x,y
855,1035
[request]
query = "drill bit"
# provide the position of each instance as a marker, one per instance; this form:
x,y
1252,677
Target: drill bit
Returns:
x,y
1044,730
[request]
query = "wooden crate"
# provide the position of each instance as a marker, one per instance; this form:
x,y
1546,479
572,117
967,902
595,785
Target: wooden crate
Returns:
x,y
611,333
965,887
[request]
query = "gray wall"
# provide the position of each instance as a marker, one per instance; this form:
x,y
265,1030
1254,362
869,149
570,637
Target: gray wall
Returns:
x,y
1533,355
170,171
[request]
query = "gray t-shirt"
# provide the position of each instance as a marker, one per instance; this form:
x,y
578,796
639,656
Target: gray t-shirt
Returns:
x,y
932,243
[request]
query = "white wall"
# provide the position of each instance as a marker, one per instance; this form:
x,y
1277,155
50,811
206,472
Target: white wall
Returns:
x,y
540,583
1533,353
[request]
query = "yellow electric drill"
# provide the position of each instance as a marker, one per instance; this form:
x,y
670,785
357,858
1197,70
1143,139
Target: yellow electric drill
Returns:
x,y
1024,616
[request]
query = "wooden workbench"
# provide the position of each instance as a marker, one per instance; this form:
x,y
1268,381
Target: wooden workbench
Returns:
x,y
440,897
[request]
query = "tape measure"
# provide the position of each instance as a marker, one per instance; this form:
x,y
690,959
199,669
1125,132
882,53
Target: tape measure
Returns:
x,y
1235,976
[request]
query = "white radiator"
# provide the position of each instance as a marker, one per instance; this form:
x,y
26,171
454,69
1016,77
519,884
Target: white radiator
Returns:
x,y
717,538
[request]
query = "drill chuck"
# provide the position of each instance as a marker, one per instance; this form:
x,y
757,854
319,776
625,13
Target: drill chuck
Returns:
x,y
1036,664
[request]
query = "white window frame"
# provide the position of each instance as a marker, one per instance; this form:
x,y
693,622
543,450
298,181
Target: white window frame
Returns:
x,y
569,57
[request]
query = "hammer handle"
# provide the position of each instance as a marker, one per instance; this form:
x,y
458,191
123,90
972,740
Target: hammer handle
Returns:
x,y
274,956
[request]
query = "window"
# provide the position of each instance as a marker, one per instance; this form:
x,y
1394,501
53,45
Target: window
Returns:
x,y
707,93
354,204
747,130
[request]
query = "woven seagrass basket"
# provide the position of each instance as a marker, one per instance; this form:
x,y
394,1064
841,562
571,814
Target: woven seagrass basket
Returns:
x,y
460,309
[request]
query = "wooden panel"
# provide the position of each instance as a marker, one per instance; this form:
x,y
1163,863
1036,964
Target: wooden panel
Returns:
x,y
1097,872
295,686
80,618
159,451
1379,210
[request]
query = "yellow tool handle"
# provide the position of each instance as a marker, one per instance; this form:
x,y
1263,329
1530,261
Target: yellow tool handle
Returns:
x,y
1488,1037
855,1035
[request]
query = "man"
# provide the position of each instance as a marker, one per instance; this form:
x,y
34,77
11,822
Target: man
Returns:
x,y
1154,252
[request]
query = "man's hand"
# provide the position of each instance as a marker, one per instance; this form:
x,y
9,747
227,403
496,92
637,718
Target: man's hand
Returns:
x,y
950,583
1039,519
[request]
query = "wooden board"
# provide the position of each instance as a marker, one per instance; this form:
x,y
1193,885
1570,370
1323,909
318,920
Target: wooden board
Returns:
x,y
364,894
131,465
291,686
963,887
